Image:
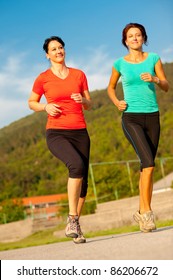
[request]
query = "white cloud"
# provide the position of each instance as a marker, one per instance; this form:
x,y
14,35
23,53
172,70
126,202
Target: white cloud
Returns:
x,y
16,78
97,67
12,110
167,54
169,50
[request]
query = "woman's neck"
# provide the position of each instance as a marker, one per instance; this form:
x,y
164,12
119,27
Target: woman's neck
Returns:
x,y
60,70
136,56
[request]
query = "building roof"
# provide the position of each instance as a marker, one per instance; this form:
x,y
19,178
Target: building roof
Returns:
x,y
53,198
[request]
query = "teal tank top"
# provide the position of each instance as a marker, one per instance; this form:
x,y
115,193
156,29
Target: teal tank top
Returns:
x,y
140,96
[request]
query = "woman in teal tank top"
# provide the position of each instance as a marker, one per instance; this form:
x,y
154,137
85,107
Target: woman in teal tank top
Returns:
x,y
140,72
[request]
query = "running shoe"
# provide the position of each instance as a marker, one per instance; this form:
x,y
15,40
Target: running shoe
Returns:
x,y
80,239
145,221
73,228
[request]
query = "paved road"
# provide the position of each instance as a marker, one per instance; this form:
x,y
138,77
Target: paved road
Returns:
x,y
157,245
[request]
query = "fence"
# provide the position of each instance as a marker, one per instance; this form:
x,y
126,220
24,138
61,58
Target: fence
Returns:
x,y
162,169
159,161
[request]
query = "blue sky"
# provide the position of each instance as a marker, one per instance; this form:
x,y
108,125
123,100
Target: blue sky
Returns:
x,y
91,30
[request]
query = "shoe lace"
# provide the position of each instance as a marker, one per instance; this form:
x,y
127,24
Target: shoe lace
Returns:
x,y
72,223
149,217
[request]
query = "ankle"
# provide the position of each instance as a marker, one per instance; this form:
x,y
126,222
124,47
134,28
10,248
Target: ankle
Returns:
x,y
144,211
73,216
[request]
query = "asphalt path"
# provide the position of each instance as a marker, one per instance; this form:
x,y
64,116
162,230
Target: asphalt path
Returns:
x,y
157,245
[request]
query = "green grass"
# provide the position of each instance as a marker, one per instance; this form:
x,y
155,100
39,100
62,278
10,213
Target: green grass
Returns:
x,y
47,237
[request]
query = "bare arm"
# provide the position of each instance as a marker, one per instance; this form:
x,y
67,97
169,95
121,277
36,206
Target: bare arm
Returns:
x,y
111,90
34,102
35,105
86,100
163,83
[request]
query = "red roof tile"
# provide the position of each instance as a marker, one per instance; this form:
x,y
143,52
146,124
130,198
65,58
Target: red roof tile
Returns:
x,y
43,199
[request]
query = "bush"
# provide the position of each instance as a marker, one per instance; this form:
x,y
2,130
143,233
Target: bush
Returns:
x,y
11,211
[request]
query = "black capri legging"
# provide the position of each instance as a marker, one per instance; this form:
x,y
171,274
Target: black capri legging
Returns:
x,y
72,147
143,132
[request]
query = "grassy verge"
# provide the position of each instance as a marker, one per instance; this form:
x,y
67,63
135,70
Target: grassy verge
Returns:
x,y
47,237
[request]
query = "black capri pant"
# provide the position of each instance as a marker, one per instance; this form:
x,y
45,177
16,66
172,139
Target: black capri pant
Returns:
x,y
143,132
72,147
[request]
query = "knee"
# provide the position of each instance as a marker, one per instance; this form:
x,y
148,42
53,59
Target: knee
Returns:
x,y
148,170
76,169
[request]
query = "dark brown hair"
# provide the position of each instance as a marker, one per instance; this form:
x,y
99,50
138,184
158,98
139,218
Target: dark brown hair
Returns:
x,y
52,38
136,25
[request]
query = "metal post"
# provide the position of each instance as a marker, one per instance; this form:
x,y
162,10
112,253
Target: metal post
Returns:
x,y
93,182
130,179
162,171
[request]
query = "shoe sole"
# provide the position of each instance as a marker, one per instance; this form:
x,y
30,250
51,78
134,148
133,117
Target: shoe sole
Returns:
x,y
145,230
79,242
72,235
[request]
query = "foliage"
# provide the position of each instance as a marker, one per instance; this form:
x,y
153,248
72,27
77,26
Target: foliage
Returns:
x,y
89,207
11,211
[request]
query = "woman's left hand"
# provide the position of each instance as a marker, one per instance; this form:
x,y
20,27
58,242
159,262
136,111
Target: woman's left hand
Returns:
x,y
77,97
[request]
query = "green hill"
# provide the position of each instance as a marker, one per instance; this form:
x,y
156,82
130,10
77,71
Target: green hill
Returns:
x,y
28,168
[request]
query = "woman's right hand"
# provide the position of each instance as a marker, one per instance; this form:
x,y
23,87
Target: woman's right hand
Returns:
x,y
53,109
122,105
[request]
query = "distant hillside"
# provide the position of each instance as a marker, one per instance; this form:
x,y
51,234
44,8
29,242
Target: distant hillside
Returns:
x,y
28,168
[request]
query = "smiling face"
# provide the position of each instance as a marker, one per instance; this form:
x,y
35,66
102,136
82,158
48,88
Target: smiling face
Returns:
x,y
56,52
134,38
